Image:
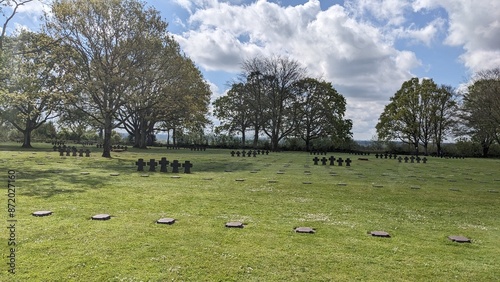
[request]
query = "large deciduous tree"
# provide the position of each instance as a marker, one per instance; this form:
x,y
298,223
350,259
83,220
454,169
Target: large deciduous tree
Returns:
x,y
31,91
276,77
107,39
320,111
419,112
480,109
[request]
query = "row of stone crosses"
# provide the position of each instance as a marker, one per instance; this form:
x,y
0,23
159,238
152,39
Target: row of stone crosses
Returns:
x,y
332,160
249,153
72,151
187,165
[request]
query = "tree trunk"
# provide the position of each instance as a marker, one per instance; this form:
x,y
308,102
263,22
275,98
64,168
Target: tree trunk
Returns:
x,y
108,127
243,139
256,137
27,138
486,148
174,142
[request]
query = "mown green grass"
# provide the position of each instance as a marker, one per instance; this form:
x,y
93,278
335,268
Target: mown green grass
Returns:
x,y
68,246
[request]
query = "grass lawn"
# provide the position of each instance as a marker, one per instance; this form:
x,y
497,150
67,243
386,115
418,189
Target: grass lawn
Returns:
x,y
420,205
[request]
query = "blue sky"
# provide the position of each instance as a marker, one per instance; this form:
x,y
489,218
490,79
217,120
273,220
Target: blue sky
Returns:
x,y
366,48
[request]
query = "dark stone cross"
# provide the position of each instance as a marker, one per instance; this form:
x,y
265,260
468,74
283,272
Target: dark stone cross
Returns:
x,y
87,153
163,164
424,160
323,160
376,156
187,165
348,162
61,152
390,156
412,159
152,165
406,159
237,153
175,166
332,160
418,159
385,155
68,151
54,148
80,153
254,154
232,153
340,161
400,159
140,164
249,154
315,160
243,153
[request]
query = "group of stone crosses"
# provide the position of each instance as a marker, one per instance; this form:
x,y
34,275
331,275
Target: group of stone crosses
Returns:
x,y
332,160
71,151
187,165
412,159
249,153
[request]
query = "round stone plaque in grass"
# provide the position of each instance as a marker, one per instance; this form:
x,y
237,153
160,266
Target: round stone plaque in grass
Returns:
x,y
305,230
166,220
102,216
234,224
42,213
380,234
459,239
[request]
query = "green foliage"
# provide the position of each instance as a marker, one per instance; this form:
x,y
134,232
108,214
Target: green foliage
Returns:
x,y
418,113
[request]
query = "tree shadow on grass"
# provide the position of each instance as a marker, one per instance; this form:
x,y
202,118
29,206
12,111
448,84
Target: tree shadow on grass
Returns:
x,y
48,183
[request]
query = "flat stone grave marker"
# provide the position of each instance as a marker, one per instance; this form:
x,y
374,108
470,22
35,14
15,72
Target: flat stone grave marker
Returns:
x,y
114,174
306,182
378,186
234,224
415,187
380,234
493,191
175,176
305,230
144,175
272,181
341,184
454,189
459,239
207,178
166,220
240,179
84,173
102,216
280,172
42,213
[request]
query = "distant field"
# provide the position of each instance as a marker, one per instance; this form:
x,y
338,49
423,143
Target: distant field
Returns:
x,y
419,205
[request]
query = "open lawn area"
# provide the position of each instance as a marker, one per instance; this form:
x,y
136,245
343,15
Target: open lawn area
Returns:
x,y
418,204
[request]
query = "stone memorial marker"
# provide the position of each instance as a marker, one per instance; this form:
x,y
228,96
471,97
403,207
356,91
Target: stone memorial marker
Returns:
x,y
140,164
418,159
315,160
80,153
243,153
101,217
459,239
87,153
232,153
152,165
332,160
61,152
187,165
406,159
380,234
340,161
324,160
42,213
304,230
424,160
238,153
68,152
412,159
166,220
234,224
400,159
175,166
376,156
163,164
348,162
